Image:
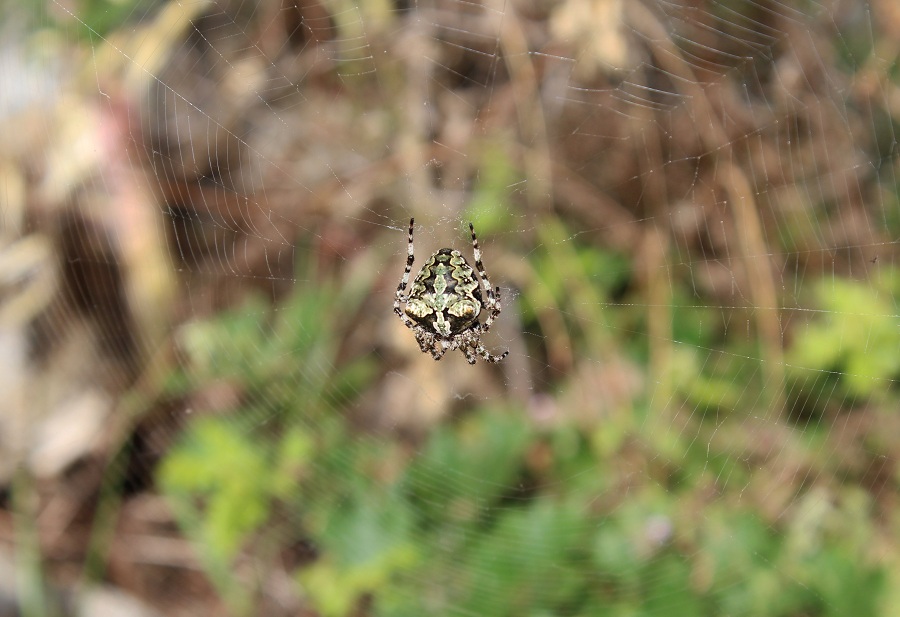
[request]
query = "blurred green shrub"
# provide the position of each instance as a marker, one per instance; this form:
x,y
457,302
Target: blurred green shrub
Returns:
x,y
492,515
468,527
851,351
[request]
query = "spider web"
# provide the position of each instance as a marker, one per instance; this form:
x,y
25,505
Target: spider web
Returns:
x,y
690,209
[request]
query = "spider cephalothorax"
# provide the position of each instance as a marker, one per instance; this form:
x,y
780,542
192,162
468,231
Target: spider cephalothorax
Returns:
x,y
444,302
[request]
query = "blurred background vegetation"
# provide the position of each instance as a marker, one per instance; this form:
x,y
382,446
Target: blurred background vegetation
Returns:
x,y
209,407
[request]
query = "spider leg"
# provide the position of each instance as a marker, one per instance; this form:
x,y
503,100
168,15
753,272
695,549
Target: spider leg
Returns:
x,y
492,295
437,349
484,353
474,342
494,309
425,345
480,266
399,297
469,352
428,343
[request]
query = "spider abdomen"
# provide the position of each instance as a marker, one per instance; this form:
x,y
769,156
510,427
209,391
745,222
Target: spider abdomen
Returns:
x,y
445,296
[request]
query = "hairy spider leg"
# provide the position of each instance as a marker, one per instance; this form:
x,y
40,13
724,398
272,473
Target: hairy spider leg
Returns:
x,y
484,353
472,347
437,349
399,297
469,352
493,297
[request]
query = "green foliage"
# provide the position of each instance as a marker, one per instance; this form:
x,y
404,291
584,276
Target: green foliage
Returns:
x,y
94,17
850,351
711,367
234,477
491,515
705,387
588,268
448,533
526,562
569,290
489,449
292,348
489,207
368,543
221,483
228,473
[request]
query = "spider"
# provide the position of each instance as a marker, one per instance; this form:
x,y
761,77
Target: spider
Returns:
x,y
444,301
